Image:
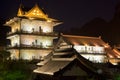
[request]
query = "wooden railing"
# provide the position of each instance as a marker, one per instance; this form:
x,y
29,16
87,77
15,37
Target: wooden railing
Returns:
x,y
33,33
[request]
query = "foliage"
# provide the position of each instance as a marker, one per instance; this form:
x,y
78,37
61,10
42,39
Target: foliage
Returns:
x,y
117,77
16,75
15,70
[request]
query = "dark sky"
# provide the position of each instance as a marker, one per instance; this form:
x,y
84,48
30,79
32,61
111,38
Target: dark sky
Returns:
x,y
74,13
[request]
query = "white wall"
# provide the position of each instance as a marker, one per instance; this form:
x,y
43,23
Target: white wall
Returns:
x,y
33,54
36,40
29,25
95,54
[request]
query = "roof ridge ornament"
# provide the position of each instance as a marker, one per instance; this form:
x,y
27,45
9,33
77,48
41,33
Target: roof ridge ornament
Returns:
x,y
20,11
34,12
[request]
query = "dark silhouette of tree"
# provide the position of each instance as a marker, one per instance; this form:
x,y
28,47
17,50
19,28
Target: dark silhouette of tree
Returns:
x,y
4,55
3,32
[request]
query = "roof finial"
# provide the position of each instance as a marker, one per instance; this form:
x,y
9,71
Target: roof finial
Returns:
x,y
36,4
20,11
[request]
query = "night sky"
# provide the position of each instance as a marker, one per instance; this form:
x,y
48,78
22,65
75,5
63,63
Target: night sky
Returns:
x,y
74,13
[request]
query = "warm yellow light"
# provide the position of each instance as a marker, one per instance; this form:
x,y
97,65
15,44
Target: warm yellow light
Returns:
x,y
49,20
46,29
106,45
38,14
34,13
31,18
11,20
117,52
115,63
110,56
14,54
46,43
85,44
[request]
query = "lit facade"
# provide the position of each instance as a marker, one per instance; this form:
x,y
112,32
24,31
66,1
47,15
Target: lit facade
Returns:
x,y
91,48
31,34
92,53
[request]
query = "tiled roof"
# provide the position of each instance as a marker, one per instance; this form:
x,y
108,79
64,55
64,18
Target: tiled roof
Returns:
x,y
56,64
113,53
52,66
83,40
34,12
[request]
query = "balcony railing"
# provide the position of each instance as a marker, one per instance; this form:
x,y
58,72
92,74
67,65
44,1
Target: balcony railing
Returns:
x,y
23,46
54,34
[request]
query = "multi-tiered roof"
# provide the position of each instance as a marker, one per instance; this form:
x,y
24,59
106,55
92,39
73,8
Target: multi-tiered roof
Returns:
x,y
35,12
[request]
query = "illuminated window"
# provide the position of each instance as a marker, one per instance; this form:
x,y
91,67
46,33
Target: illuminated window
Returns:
x,y
89,49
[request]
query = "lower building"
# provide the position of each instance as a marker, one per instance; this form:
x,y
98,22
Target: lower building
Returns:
x,y
64,64
91,48
71,59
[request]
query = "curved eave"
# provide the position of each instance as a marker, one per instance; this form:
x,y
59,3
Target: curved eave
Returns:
x,y
38,18
11,21
8,23
33,18
56,22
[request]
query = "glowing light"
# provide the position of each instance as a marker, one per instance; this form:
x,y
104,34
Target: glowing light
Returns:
x,y
110,56
99,49
117,53
35,26
106,45
89,49
36,12
113,61
49,20
31,18
46,43
95,58
14,54
28,26
80,48
46,29
14,40
33,54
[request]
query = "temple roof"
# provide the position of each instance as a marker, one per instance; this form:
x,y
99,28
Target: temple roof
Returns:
x,y
35,12
51,67
62,61
20,12
56,65
113,53
84,40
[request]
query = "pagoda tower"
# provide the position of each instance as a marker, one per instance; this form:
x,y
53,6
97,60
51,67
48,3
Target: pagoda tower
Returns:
x,y
31,35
